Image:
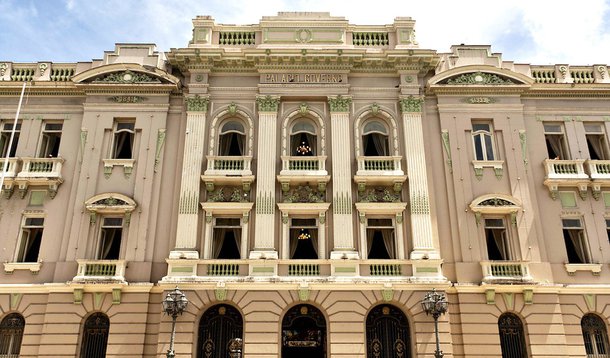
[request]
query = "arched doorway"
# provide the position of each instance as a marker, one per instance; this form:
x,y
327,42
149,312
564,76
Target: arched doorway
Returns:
x,y
387,333
95,336
218,325
304,333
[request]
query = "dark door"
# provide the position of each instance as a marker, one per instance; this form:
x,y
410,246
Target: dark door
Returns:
x,y
387,333
218,325
304,333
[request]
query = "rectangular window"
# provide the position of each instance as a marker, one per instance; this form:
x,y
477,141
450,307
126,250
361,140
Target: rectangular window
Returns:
x,y
227,238
5,137
608,229
51,137
31,237
123,139
483,140
497,239
596,141
555,139
575,241
303,239
380,239
111,234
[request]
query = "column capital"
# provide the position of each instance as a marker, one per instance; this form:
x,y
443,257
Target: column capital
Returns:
x,y
197,104
411,104
267,103
339,103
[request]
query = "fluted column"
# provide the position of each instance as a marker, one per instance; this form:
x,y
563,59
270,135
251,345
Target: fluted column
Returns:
x,y
343,233
264,232
424,244
188,209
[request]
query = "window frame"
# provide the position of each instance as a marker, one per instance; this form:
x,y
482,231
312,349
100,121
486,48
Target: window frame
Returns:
x,y
482,134
237,239
45,134
601,136
116,132
5,137
244,134
584,246
291,133
562,141
508,236
20,256
392,255
387,135
101,236
292,226
594,334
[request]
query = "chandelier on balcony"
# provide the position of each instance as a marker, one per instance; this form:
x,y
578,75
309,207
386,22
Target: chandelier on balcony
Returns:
x,y
304,235
303,149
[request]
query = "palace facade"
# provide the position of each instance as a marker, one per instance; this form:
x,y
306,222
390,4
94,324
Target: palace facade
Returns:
x,y
305,182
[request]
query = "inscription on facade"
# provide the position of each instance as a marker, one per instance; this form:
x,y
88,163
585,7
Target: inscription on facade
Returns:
x,y
303,78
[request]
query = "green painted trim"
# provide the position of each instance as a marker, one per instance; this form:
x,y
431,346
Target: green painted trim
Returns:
x,y
426,269
182,269
262,269
197,104
345,269
411,104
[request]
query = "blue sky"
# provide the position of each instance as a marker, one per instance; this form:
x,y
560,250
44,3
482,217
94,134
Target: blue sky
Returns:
x,y
525,31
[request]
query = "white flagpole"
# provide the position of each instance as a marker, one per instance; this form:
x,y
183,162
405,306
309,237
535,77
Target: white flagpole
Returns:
x,y
10,142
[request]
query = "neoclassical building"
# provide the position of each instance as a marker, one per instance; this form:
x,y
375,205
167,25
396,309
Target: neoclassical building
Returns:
x,y
305,182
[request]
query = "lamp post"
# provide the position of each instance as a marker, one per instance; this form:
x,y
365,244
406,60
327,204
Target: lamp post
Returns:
x,y
173,305
435,304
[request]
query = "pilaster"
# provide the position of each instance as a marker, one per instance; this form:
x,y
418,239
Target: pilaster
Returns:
x,y
424,244
343,234
264,233
188,209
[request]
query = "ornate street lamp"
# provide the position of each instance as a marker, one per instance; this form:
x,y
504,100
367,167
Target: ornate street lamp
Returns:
x,y
173,305
435,304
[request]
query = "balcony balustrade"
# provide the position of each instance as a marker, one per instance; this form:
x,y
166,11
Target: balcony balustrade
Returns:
x,y
33,172
41,168
566,173
101,270
379,170
228,170
505,271
11,169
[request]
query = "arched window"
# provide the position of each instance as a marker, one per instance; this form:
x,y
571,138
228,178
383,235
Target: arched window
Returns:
x,y
375,141
303,139
11,333
304,333
95,336
218,325
512,338
231,139
387,333
595,336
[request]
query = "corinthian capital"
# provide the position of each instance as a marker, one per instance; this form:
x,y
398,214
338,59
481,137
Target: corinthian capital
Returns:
x,y
267,103
411,104
339,103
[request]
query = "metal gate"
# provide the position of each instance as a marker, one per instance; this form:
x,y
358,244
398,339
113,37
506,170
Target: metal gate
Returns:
x,y
95,336
218,325
512,339
387,333
304,333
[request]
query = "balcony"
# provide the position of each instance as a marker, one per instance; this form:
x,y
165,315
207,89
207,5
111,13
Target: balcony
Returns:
x,y
600,175
100,271
380,170
44,172
290,270
301,170
228,170
505,272
566,173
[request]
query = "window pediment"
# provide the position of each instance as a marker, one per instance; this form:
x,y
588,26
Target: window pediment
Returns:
x,y
495,204
110,203
479,78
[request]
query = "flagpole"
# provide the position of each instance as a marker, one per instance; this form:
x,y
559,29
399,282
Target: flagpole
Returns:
x,y
10,142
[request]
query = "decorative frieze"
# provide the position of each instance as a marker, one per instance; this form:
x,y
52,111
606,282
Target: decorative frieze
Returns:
x,y
379,195
303,194
339,103
126,77
420,204
197,104
479,78
228,195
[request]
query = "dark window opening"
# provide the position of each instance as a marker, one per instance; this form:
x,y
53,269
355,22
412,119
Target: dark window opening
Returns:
x,y
231,144
5,138
497,240
387,333
575,241
31,238
124,136
51,138
380,239
595,336
110,239
303,239
375,145
304,333
227,238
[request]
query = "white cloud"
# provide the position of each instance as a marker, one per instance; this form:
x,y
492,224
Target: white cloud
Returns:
x,y
534,31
